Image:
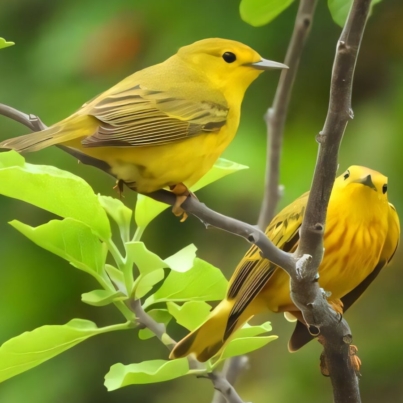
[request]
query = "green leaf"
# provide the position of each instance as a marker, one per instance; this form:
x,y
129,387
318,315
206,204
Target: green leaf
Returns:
x,y
339,9
145,260
221,169
160,316
191,314
261,12
203,283
183,260
146,282
70,239
57,191
147,209
11,159
121,214
102,297
145,372
116,276
5,44
244,345
251,331
30,349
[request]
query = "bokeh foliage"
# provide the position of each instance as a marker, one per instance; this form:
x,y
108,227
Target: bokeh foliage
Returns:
x,y
68,52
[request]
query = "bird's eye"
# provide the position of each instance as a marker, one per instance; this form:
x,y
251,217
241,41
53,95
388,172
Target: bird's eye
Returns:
x,y
346,175
384,188
229,57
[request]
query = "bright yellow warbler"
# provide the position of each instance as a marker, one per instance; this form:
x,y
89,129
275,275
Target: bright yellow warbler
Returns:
x,y
361,236
165,125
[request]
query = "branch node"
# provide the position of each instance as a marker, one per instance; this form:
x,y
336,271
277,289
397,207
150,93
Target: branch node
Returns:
x,y
347,339
351,114
321,137
301,265
314,330
319,227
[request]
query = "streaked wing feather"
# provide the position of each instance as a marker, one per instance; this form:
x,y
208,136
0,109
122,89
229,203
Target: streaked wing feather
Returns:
x,y
253,272
140,117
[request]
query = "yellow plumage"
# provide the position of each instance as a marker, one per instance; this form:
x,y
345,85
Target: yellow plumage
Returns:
x,y
164,125
361,235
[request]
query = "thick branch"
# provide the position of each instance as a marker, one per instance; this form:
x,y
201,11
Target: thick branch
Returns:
x,y
334,335
276,115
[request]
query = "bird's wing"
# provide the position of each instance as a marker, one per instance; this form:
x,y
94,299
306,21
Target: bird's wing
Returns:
x,y
388,251
253,272
139,116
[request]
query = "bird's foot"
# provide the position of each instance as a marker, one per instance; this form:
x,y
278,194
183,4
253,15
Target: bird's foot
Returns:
x,y
354,359
182,193
119,188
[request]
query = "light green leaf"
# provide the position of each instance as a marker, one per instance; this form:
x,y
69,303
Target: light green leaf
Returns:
x,y
191,314
30,349
11,159
261,12
160,316
339,9
5,44
116,276
245,345
147,209
183,260
70,239
251,331
121,214
221,169
145,260
145,372
57,191
102,297
146,282
203,283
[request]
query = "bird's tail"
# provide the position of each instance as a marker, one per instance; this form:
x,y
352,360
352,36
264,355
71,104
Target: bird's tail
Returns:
x,y
69,129
208,339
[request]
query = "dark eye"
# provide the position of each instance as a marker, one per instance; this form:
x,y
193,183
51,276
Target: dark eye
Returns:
x,y
384,188
346,175
229,57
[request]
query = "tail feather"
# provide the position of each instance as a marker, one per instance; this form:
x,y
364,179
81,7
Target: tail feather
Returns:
x,y
70,129
207,340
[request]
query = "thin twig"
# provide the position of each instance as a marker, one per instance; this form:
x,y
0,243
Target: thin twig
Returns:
x,y
276,115
233,367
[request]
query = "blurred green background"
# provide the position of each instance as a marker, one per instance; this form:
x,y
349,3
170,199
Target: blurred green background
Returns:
x,y
67,52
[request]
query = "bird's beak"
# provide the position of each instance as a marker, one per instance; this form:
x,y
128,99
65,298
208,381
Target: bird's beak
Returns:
x,y
265,64
367,181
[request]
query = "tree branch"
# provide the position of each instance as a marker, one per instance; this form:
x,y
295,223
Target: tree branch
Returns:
x,y
276,115
231,371
334,335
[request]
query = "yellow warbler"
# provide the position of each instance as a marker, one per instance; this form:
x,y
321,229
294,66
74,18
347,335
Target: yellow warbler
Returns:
x,y
163,126
361,236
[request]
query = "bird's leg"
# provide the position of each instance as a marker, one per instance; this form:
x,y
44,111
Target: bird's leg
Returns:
x,y
354,359
182,193
119,187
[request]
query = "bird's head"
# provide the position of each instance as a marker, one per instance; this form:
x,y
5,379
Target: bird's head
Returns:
x,y
363,182
226,64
